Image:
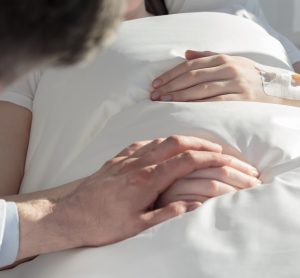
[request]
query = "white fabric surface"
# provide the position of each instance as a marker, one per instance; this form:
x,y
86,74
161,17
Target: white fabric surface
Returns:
x,y
2,219
22,93
250,9
9,233
83,116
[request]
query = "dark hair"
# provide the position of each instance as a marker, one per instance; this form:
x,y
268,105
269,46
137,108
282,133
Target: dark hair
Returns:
x,y
60,31
156,7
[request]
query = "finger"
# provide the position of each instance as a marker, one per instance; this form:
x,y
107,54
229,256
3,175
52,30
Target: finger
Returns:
x,y
161,149
195,190
191,198
123,155
201,91
148,148
202,187
241,166
160,177
229,150
192,78
225,97
168,212
192,54
132,161
227,175
167,198
187,66
133,148
175,145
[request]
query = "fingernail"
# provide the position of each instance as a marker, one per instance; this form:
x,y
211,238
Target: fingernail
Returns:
x,y
156,83
166,98
254,172
155,95
256,182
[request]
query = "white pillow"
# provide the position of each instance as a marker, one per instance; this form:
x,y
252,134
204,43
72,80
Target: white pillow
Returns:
x,y
272,9
178,6
83,116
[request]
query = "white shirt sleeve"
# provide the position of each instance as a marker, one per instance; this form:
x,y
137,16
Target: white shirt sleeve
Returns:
x,y
9,233
23,91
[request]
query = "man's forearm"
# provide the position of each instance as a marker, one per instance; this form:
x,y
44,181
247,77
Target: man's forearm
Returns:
x,y
113,203
44,226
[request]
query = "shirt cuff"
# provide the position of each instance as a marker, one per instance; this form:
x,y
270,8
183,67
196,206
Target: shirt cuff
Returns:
x,y
9,246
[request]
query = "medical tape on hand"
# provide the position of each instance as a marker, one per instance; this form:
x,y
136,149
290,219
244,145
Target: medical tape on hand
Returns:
x,y
280,84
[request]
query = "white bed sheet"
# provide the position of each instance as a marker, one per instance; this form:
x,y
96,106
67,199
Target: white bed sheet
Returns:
x,y
84,116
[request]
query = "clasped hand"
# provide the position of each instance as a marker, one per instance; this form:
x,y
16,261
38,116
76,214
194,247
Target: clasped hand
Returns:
x,y
151,182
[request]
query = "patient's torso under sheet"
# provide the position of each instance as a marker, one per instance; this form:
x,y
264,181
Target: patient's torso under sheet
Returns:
x,y
84,116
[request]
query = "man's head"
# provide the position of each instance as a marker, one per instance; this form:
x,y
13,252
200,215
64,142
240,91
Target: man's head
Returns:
x,y
61,32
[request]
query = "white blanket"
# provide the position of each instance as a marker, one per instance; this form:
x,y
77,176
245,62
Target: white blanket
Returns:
x,y
84,116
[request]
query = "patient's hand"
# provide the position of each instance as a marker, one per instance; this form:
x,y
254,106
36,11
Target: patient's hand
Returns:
x,y
208,76
208,183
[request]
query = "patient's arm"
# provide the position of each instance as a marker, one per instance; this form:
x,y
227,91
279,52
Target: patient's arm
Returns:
x,y
208,76
15,122
290,102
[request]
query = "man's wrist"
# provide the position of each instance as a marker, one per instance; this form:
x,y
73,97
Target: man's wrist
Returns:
x,y
44,228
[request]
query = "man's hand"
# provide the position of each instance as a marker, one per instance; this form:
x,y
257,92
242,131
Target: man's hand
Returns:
x,y
122,193
116,202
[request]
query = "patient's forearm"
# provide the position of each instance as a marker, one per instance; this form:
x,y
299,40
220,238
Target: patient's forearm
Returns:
x,y
294,102
290,102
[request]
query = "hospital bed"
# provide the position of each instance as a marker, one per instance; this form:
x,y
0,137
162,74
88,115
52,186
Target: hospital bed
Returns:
x,y
252,233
